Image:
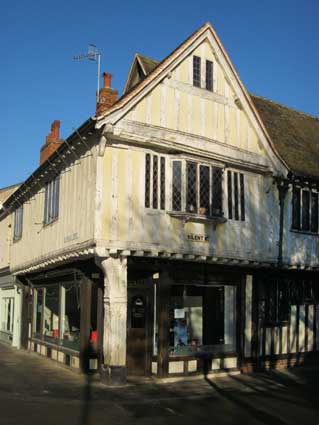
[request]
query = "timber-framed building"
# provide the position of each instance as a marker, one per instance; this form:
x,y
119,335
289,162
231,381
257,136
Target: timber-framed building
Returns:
x,y
176,231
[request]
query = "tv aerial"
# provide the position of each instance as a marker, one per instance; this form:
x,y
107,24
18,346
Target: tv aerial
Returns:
x,y
93,55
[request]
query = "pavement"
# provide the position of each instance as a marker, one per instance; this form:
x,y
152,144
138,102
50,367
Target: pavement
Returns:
x,y
35,390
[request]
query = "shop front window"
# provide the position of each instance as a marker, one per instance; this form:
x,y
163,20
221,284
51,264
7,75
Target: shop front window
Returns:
x,y
70,314
51,314
202,319
38,310
7,315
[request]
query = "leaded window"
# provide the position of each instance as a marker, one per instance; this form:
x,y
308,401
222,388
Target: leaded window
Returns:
x,y
177,186
18,223
202,187
209,75
305,210
154,181
236,195
196,71
51,200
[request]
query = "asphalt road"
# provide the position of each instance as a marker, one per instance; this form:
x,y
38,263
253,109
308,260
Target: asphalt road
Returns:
x,y
35,391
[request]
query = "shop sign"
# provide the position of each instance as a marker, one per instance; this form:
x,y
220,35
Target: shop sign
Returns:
x,y
197,238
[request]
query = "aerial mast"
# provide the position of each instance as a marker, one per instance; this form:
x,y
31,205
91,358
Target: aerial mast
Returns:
x,y
93,55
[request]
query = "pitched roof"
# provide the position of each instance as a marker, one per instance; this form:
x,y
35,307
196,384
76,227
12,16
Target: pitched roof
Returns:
x,y
147,63
294,133
5,192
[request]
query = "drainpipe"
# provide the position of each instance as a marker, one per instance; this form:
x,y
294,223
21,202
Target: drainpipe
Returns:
x,y
282,186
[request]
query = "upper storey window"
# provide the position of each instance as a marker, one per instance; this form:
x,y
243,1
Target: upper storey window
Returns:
x,y
197,73
236,195
18,223
209,75
51,200
154,181
197,188
305,210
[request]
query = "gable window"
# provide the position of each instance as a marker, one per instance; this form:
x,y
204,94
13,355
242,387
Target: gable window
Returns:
x,y
236,195
202,186
18,223
154,181
51,200
196,71
209,75
305,210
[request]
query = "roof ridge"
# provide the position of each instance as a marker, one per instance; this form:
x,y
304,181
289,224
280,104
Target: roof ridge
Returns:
x,y
285,106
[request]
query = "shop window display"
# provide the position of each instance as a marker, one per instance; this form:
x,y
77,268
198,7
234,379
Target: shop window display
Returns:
x,y
70,313
38,311
51,314
202,319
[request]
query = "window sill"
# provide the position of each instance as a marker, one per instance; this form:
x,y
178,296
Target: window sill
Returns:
x,y
15,240
187,216
49,223
304,232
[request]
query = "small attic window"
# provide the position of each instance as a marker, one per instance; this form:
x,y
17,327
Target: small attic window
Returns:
x,y
196,71
209,75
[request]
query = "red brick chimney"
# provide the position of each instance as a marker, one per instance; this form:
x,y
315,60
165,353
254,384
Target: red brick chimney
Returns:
x,y
52,142
107,95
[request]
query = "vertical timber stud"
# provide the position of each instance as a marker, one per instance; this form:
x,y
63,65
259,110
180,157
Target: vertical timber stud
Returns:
x,y
282,186
248,317
115,320
100,326
25,317
241,331
164,285
85,322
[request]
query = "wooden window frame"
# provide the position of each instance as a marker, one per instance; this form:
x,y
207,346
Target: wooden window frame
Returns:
x,y
197,71
185,196
155,199
18,223
51,200
298,210
236,195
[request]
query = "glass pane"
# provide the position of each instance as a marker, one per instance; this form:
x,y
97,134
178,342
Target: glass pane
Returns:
x,y
147,179
38,311
209,75
162,183
155,181
296,209
305,210
51,314
191,196
204,190
71,317
202,320
230,194
177,186
314,212
217,199
196,71
236,201
242,197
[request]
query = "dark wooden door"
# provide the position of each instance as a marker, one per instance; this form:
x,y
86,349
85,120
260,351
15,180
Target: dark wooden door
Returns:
x,y
139,330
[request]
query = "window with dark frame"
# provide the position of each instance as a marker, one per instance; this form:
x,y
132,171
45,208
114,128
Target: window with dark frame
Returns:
x,y
236,195
51,200
203,185
155,182
18,223
196,71
209,75
305,210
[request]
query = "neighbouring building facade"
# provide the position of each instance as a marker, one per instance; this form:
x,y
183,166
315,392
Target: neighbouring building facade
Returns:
x,y
176,232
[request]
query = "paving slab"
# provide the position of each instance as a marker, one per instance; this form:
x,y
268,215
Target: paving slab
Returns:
x,y
35,390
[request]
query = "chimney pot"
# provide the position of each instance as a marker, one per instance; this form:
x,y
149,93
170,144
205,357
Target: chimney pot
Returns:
x,y
107,77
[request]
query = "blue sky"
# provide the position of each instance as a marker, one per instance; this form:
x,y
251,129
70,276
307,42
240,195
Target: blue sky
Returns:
x,y
273,45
